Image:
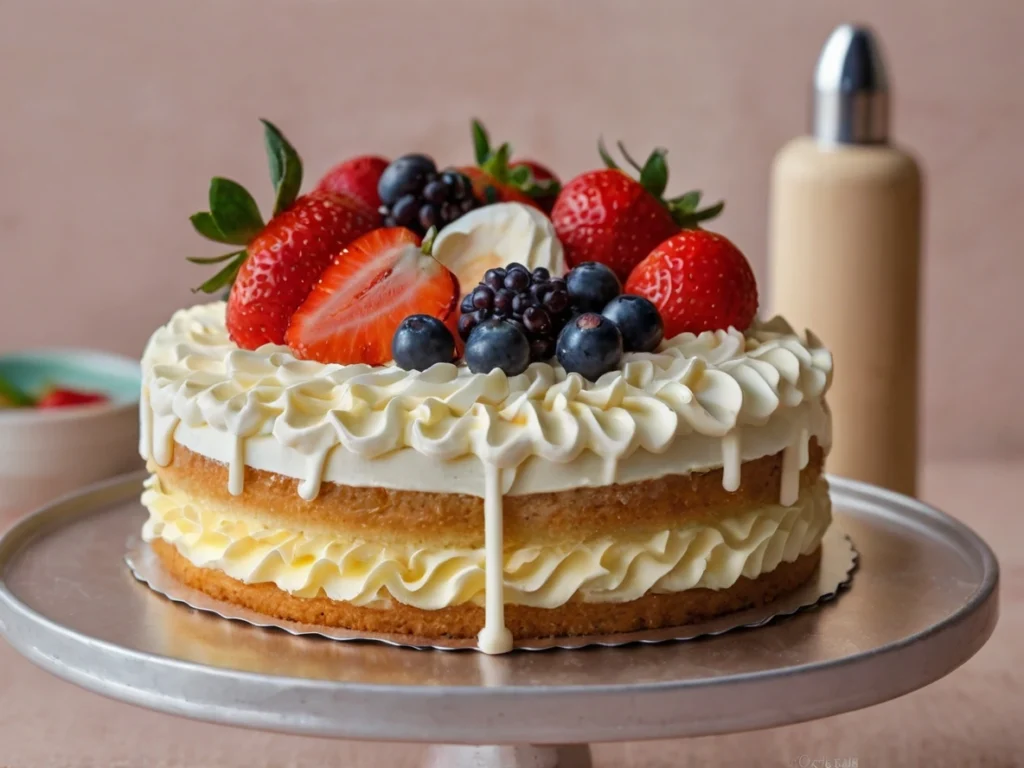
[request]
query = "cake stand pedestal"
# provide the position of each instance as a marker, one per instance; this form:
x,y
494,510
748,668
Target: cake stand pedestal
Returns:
x,y
923,601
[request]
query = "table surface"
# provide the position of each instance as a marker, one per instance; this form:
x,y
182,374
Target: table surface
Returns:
x,y
44,721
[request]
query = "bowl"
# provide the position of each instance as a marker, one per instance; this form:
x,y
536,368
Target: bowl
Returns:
x,y
45,453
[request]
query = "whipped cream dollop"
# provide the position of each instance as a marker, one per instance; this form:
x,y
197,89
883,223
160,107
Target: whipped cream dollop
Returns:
x,y
494,236
712,554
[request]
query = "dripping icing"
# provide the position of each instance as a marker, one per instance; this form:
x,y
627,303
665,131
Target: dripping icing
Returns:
x,y
236,467
731,462
495,636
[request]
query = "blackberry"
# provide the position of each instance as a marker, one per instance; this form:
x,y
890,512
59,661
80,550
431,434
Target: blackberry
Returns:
x,y
414,194
534,302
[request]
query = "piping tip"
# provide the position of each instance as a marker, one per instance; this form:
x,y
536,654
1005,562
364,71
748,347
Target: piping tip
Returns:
x,y
851,89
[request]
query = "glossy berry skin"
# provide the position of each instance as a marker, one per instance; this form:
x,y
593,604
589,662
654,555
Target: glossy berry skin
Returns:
x,y
285,261
699,281
415,195
590,345
638,320
422,341
535,302
357,177
591,286
495,343
608,217
63,398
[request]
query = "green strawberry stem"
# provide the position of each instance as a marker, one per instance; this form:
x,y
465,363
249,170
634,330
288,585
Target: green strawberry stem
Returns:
x,y
234,218
495,163
428,241
13,397
654,178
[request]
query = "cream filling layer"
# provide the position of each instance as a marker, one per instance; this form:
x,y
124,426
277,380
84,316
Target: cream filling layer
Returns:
x,y
710,554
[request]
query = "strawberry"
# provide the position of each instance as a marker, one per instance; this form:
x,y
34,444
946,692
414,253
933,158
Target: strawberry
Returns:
x,y
609,217
699,281
369,289
356,178
497,179
281,261
61,398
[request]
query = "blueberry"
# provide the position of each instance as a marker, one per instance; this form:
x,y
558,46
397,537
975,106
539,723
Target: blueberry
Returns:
x,y
638,320
435,192
420,342
497,344
592,285
590,345
406,210
404,176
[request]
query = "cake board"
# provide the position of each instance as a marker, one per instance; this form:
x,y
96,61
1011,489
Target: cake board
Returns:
x,y
922,603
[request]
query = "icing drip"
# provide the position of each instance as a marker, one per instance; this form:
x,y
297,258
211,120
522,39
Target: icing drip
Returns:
x,y
495,636
731,462
236,468
309,487
805,442
792,455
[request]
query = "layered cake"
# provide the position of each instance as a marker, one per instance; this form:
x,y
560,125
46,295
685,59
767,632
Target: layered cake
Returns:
x,y
475,403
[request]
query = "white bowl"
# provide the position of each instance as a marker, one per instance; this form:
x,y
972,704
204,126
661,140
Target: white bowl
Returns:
x,y
46,453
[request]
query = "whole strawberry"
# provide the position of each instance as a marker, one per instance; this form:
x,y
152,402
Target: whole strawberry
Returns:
x,y
281,260
699,281
609,217
497,178
356,178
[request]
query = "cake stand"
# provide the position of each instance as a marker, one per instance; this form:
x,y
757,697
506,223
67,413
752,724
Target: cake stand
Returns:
x,y
923,601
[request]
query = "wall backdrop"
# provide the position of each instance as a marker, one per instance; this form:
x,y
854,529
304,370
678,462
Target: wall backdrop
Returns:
x,y
115,113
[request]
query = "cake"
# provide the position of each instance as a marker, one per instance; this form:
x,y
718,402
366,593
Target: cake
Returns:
x,y
381,446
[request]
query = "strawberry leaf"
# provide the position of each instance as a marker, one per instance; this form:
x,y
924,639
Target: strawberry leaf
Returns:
x,y
481,143
630,160
285,167
12,396
204,224
654,174
211,259
497,163
225,277
234,211
520,175
603,152
693,220
685,203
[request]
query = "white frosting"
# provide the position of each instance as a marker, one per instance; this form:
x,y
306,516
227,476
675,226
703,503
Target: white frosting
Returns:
x,y
699,402
494,236
712,554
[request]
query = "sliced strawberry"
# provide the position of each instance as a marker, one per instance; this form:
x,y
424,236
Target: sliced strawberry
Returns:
x,y
356,178
361,298
62,398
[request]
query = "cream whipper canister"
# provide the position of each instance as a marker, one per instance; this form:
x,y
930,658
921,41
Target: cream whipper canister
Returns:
x,y
844,247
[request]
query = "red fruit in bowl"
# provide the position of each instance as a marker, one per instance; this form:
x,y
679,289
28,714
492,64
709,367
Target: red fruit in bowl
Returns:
x,y
699,281
498,179
356,178
372,285
609,217
62,398
281,260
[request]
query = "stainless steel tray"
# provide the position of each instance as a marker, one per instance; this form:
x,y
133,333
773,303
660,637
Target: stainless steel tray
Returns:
x,y
923,602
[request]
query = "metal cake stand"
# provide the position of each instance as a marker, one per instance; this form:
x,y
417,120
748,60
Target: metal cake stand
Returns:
x,y
923,601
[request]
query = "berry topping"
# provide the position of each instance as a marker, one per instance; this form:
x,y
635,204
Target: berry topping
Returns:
x,y
536,303
372,285
609,217
280,261
699,281
638,321
591,285
63,398
497,179
495,343
415,195
356,178
590,345
420,342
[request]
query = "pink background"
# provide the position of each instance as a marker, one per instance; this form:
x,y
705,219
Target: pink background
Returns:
x,y
116,113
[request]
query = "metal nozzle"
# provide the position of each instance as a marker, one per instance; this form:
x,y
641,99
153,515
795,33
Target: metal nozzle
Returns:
x,y
851,89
